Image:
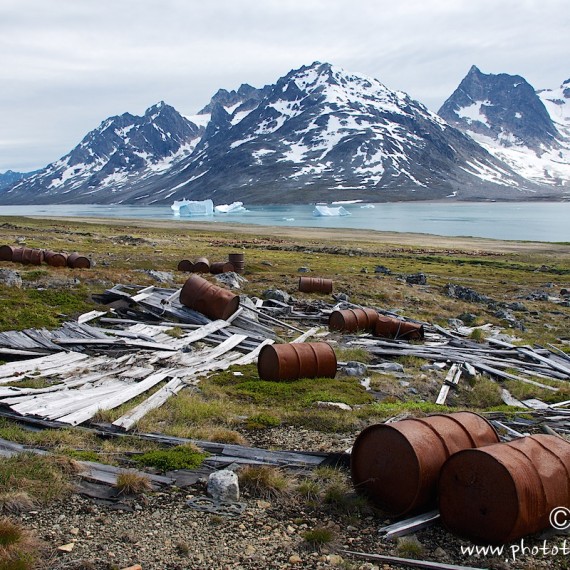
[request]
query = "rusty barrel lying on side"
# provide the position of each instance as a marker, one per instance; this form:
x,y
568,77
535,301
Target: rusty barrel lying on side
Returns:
x,y
221,267
201,265
315,285
6,252
389,327
55,259
78,261
238,262
32,256
397,465
185,265
296,360
352,320
210,300
17,254
503,492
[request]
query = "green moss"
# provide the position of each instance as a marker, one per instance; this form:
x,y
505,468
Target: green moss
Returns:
x,y
262,421
179,457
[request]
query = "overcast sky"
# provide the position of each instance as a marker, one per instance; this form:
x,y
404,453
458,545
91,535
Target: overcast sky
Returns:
x,y
66,65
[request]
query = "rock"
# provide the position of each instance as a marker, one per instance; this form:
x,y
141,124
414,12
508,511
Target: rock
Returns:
x,y
295,559
66,547
335,559
364,270
342,297
223,485
464,293
246,303
333,405
276,295
467,318
303,270
10,278
517,307
231,279
440,554
353,368
160,276
390,367
382,270
266,263
416,279
455,323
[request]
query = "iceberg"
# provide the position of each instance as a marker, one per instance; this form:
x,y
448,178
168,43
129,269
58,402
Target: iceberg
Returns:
x,y
321,210
368,206
193,207
232,208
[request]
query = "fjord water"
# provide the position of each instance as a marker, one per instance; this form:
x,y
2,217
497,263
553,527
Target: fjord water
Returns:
x,y
529,221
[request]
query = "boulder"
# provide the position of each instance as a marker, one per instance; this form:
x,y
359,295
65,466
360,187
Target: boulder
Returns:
x,y
223,485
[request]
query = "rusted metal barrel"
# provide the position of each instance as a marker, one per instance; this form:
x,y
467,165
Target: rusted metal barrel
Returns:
x,y
6,252
221,267
185,265
32,256
17,254
78,261
503,492
238,262
210,300
201,265
388,327
296,360
55,259
397,465
315,285
352,320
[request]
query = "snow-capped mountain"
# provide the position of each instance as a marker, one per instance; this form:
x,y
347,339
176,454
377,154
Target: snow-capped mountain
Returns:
x,y
123,151
319,133
528,130
10,177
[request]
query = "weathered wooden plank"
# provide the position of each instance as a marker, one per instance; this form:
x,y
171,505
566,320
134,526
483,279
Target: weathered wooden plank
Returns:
x,y
252,356
409,561
115,400
18,352
502,374
90,316
452,377
40,365
306,335
128,420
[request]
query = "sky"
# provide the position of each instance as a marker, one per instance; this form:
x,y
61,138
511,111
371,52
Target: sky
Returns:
x,y
66,65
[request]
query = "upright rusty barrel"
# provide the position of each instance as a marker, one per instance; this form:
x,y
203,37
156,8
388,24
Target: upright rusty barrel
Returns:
x,y
185,265
389,327
315,285
221,267
503,492
78,261
32,256
201,265
397,465
353,320
210,300
6,252
55,259
296,360
238,262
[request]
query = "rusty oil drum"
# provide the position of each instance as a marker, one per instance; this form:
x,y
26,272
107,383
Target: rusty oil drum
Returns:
x,y
185,265
221,267
315,285
32,256
7,252
503,492
353,320
296,360
17,254
388,327
238,262
201,265
55,259
397,465
78,261
210,300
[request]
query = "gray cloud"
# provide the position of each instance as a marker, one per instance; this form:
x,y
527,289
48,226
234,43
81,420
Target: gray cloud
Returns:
x,y
66,65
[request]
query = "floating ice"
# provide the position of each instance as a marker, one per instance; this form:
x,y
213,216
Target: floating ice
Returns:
x,y
232,208
328,211
367,206
193,207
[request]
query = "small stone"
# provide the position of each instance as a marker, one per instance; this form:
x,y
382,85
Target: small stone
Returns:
x,y
303,270
223,485
439,553
333,405
74,531
250,550
295,559
263,504
66,547
335,559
